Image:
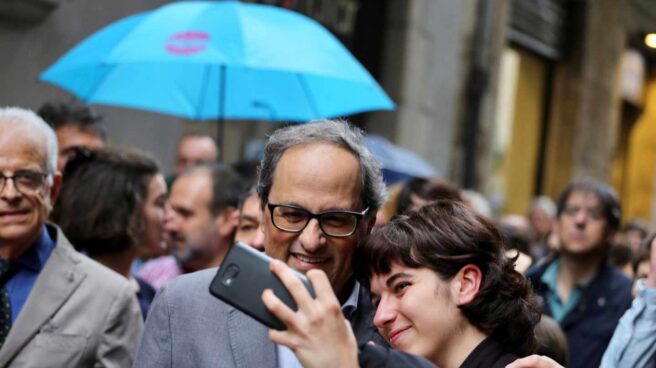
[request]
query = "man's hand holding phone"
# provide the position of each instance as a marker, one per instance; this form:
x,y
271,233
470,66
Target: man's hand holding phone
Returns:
x,y
317,333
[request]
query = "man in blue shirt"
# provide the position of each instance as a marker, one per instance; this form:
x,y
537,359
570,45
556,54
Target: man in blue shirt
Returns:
x,y
576,287
60,309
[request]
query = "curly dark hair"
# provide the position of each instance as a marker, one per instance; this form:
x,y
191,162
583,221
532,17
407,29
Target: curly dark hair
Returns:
x,y
100,203
444,237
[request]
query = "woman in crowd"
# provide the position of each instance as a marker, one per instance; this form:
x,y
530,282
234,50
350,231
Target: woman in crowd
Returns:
x,y
111,206
442,287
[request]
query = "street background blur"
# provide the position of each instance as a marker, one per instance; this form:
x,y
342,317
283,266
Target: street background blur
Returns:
x,y
512,98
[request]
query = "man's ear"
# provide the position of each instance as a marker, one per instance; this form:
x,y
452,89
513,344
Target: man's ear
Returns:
x,y
227,222
56,185
466,284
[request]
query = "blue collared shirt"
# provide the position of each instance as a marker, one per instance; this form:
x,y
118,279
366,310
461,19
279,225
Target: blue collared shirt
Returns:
x,y
29,266
559,308
286,357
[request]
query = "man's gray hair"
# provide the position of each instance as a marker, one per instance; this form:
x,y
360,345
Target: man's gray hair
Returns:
x,y
335,132
545,204
28,119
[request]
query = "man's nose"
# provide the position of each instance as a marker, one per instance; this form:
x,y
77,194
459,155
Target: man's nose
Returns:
x,y
385,314
581,216
9,191
312,238
170,219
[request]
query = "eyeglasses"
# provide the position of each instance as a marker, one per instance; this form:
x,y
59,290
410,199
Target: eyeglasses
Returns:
x,y
294,219
25,181
595,213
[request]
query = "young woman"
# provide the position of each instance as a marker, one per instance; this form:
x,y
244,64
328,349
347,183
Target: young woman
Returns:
x,y
442,287
111,206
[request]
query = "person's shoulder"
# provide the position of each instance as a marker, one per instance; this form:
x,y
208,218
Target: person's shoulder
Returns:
x,y
95,273
195,278
535,272
102,276
618,284
192,284
186,301
619,278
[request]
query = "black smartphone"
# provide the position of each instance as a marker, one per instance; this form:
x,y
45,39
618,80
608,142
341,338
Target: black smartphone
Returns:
x,y
242,277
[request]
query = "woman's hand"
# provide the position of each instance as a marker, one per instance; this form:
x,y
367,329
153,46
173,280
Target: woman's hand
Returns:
x,y
317,333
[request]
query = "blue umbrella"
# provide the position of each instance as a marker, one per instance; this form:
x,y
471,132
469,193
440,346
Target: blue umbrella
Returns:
x,y
214,60
398,163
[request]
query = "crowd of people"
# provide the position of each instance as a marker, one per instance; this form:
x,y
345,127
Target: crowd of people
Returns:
x,y
107,261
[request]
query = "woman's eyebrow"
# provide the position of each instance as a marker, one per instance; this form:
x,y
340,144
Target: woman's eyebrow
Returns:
x,y
395,277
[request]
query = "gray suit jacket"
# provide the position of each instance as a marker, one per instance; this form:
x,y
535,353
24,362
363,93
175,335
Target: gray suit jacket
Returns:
x,y
188,327
79,314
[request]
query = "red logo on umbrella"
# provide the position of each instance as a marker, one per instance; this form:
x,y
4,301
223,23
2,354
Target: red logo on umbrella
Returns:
x,y
187,43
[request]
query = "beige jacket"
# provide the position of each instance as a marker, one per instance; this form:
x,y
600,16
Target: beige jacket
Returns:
x,y
79,314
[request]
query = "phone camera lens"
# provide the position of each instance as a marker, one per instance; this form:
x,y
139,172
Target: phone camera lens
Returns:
x,y
230,274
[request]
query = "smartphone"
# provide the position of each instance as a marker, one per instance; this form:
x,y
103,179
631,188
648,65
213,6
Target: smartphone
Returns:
x,y
242,277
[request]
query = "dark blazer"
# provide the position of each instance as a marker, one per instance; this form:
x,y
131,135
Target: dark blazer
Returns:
x,y
188,327
376,356
590,325
488,354
79,314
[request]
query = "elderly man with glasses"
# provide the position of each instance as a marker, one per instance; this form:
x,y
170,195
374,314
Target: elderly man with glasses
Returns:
x,y
57,307
320,190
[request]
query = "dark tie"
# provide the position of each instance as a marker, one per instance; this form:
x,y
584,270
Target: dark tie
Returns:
x,y
5,306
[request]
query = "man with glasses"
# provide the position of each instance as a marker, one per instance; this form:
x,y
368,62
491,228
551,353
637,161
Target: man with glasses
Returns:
x,y
320,190
577,287
57,307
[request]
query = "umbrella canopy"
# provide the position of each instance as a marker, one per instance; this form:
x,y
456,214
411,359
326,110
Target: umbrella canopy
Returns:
x,y
398,163
207,60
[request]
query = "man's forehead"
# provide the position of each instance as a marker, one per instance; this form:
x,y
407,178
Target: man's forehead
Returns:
x,y
194,145
584,197
192,184
316,154
18,139
318,167
251,204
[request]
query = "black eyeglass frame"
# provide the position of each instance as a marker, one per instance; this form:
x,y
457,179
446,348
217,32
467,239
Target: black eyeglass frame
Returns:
x,y
312,215
23,173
